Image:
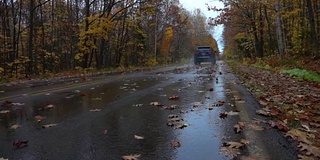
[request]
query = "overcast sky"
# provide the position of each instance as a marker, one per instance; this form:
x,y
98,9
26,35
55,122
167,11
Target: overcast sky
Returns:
x,y
191,5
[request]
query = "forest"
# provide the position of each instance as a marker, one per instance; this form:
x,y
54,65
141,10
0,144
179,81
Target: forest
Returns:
x,y
264,28
40,37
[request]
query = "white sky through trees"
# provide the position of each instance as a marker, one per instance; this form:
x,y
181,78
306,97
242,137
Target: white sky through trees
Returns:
x,y
191,5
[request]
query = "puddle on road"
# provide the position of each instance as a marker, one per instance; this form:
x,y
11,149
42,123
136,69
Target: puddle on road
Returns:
x,y
202,139
68,104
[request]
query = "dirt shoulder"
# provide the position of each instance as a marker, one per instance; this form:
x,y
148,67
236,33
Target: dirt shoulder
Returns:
x,y
293,105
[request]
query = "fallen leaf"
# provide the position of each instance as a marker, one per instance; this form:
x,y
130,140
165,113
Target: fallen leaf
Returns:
x,y
241,101
174,98
48,107
232,113
170,124
257,120
4,111
175,119
256,127
231,152
231,105
95,110
298,135
18,143
241,124
239,127
175,144
210,108
70,96
137,105
219,103
18,104
311,150
105,132
16,126
39,118
138,137
262,112
181,126
316,125
197,104
172,116
244,141
48,125
237,98
269,111
156,104
172,107
210,89
307,128
232,144
223,115
279,125
183,111
264,102
6,104
131,157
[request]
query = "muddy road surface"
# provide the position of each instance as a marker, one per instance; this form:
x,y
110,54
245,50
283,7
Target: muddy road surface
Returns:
x,y
185,112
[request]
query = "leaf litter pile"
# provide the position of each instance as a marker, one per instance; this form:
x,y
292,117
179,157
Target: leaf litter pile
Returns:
x,y
293,104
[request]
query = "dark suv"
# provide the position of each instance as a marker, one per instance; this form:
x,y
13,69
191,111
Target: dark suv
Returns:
x,y
204,54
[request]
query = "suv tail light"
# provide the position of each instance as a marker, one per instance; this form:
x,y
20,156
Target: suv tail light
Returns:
x,y
210,52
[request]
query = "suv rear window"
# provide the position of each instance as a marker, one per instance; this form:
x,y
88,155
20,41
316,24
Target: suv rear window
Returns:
x,y
204,47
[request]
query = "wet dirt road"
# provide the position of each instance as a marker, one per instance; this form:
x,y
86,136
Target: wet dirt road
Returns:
x,y
105,117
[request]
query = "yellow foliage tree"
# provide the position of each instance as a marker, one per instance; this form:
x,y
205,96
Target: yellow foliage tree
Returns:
x,y
167,41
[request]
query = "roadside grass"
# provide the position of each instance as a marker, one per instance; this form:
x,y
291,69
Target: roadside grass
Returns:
x,y
303,74
305,68
262,66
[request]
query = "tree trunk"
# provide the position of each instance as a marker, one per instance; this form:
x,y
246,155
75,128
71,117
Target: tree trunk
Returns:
x,y
315,47
86,28
14,34
279,33
30,43
270,39
261,25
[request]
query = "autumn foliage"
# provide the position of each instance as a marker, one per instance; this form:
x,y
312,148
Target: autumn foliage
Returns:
x,y
263,28
44,37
